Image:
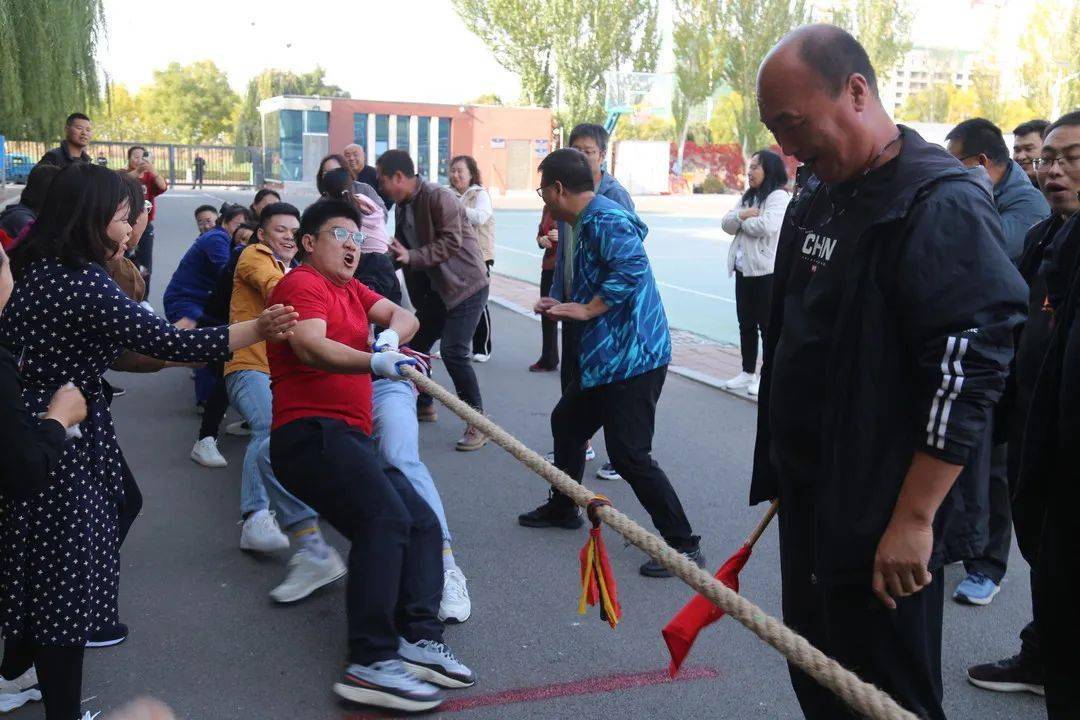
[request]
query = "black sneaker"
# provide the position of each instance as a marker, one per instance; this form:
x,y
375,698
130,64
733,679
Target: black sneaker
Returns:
x,y
552,514
1013,674
108,636
656,570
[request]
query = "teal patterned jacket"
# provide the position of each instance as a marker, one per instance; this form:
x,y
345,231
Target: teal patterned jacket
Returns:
x,y
632,337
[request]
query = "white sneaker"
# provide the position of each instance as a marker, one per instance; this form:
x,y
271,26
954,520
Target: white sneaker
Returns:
x,y
481,357
240,428
590,455
455,606
91,716
260,533
307,574
16,693
741,380
207,454
754,386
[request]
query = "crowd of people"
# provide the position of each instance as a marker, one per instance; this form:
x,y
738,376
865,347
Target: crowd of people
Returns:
x,y
915,308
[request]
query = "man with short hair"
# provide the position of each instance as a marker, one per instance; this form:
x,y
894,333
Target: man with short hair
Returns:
x,y
890,337
205,218
623,354
260,267
140,168
1051,249
356,159
979,143
1027,142
435,242
72,149
322,451
592,141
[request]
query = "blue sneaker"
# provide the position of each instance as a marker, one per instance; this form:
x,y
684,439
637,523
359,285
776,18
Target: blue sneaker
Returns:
x,y
976,589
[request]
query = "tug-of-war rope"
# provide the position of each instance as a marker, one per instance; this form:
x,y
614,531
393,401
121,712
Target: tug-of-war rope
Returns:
x,y
859,695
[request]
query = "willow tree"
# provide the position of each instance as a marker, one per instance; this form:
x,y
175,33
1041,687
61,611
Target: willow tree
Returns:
x,y
48,64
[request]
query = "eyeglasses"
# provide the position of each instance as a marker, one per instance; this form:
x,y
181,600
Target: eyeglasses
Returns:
x,y
341,235
1068,162
540,190
1022,162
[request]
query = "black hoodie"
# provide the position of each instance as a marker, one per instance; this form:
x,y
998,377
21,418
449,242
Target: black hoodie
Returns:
x,y
915,317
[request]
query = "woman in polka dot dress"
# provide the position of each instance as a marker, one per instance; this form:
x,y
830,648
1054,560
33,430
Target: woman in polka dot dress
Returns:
x,y
59,561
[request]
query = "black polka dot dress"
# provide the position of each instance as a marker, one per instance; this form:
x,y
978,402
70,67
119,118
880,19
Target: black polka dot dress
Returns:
x,y
59,550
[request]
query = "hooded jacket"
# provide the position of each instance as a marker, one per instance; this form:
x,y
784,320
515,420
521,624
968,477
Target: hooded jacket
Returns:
x,y
610,188
632,337
447,250
920,344
195,278
15,217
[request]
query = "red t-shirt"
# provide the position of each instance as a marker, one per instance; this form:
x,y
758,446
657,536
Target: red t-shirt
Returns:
x,y
147,179
303,391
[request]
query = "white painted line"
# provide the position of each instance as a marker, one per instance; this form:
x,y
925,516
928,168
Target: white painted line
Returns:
x,y
694,292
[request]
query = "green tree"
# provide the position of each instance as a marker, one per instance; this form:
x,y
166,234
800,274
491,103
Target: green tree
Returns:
x,y
929,105
121,118
698,46
1051,67
722,123
48,65
753,27
193,103
566,45
653,128
881,26
486,99
270,83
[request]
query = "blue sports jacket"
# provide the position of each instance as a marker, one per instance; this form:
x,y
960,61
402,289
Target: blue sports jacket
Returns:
x,y
196,276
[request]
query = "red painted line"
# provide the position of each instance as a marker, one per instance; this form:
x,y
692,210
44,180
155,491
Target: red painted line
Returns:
x,y
589,686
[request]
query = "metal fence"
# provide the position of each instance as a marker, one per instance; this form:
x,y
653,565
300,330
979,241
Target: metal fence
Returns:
x,y
224,164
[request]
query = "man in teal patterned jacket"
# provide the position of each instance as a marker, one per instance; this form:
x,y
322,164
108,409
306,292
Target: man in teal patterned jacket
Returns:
x,y
624,354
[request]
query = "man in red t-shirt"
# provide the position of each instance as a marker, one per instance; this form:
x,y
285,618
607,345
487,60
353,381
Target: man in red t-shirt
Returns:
x,y
140,168
321,451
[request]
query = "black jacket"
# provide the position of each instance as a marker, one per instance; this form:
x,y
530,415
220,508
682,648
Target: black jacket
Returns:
x,y
920,346
32,448
59,157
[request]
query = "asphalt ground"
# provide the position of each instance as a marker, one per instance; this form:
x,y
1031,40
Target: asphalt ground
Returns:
x,y
207,639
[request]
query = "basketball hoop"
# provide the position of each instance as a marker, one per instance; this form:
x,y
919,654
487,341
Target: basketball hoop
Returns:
x,y
634,93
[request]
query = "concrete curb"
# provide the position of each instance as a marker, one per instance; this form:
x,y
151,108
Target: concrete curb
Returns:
x,y
689,373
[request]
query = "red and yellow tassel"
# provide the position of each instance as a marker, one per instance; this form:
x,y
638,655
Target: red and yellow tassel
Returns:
x,y
598,586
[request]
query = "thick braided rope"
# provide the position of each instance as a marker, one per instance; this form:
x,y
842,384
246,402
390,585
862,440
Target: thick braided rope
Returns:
x,y
861,696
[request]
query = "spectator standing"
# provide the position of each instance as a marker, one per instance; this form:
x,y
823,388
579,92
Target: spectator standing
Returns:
x,y
1027,144
890,286
466,182
15,218
142,169
547,238
1048,263
625,349
979,143
356,161
72,149
435,242
200,171
592,141
755,223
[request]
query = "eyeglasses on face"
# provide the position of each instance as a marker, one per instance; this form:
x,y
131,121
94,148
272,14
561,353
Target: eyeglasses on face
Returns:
x,y
540,190
1068,162
341,235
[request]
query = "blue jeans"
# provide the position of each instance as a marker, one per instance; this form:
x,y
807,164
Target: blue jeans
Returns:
x,y
249,393
398,434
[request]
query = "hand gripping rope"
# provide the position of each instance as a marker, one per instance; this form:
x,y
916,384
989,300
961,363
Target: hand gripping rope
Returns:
x,y
859,695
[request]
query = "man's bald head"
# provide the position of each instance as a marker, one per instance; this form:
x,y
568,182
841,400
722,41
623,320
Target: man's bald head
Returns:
x,y
832,53
355,157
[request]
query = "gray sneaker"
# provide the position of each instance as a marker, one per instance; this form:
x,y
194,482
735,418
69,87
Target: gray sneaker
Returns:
x,y
388,684
432,661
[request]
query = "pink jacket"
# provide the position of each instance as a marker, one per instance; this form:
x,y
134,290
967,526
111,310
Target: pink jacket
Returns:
x,y
373,225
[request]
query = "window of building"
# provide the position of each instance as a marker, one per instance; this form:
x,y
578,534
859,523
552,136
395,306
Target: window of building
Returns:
x,y
403,132
359,129
444,151
423,146
291,135
382,135
316,121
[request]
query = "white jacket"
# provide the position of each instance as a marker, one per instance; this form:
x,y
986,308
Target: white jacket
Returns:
x,y
756,236
478,209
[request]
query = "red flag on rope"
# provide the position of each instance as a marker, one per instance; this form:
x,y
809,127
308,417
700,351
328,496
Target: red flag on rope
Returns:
x,y
598,585
700,612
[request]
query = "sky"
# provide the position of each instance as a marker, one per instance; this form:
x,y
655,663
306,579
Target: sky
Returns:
x,y
374,49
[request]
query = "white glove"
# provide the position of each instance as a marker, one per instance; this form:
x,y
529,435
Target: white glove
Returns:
x,y
388,364
387,340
